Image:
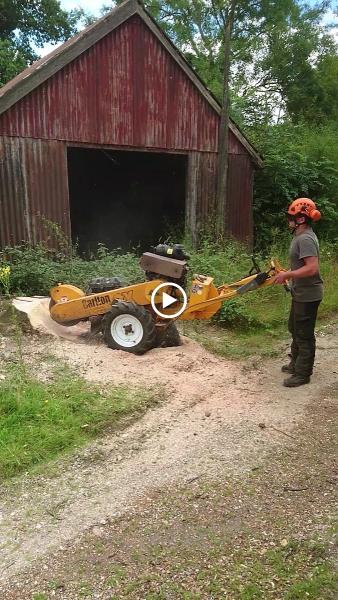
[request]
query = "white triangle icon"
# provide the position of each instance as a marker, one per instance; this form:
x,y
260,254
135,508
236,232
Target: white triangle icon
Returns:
x,y
167,300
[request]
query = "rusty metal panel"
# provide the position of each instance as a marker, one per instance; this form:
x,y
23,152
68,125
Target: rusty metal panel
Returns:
x,y
201,194
125,90
44,165
235,146
192,196
33,190
240,185
201,191
13,209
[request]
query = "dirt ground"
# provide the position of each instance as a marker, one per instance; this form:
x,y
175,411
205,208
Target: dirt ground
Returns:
x,y
219,423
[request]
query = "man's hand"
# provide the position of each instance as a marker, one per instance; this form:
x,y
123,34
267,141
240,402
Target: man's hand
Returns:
x,y
310,267
282,277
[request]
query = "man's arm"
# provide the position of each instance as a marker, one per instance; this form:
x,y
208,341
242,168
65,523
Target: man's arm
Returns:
x,y
311,267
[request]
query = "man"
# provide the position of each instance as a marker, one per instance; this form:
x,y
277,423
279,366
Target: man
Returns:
x,y
306,290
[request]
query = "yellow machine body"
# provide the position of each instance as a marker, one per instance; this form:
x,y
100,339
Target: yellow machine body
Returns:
x,y
70,304
73,304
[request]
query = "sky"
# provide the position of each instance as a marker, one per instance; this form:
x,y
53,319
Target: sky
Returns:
x,y
92,6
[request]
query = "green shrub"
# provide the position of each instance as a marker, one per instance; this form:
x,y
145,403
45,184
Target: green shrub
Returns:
x,y
234,314
298,161
34,270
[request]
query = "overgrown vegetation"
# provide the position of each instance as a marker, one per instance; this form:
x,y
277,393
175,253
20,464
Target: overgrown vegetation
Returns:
x,y
40,420
254,323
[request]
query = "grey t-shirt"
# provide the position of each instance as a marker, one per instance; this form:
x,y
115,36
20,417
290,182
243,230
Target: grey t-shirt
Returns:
x,y
305,289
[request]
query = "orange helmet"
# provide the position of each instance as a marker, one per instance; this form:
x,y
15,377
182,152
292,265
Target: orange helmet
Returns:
x,y
304,207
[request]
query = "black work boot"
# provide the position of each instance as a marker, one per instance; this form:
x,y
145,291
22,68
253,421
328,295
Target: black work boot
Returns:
x,y
290,368
296,380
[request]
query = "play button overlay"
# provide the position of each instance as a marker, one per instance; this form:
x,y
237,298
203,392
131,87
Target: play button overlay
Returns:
x,y
167,300
164,297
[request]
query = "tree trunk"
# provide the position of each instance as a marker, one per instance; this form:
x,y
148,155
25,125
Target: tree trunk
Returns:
x,y
222,201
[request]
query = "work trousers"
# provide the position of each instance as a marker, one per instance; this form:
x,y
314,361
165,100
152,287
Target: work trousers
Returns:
x,y
302,322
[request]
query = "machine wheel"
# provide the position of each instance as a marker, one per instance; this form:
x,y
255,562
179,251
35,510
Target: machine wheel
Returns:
x,y
169,337
130,327
67,323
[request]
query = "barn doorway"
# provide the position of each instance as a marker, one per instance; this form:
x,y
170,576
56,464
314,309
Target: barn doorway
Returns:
x,y
125,199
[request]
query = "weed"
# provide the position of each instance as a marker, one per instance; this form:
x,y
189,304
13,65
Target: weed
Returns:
x,y
85,590
5,273
118,574
34,270
321,581
55,585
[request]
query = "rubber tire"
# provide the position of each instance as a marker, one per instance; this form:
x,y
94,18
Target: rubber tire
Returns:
x,y
169,338
118,284
65,323
148,340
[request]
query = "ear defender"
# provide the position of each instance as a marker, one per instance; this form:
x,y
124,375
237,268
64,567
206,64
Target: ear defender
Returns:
x,y
315,214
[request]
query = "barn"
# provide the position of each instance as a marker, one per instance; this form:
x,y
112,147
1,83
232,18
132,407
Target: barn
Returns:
x,y
113,137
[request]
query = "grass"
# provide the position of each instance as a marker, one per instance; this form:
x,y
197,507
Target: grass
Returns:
x,y
232,344
39,421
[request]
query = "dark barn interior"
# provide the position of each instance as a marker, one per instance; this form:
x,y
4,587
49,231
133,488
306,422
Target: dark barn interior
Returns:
x,y
125,199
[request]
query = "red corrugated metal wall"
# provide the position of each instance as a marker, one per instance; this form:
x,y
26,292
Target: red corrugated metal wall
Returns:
x,y
240,186
13,209
33,189
124,90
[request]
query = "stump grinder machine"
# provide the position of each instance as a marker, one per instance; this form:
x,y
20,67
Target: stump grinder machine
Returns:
x,y
125,314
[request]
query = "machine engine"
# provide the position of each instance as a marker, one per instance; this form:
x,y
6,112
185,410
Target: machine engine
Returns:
x,y
168,262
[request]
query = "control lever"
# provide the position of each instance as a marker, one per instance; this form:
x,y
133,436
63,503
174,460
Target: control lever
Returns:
x,y
255,266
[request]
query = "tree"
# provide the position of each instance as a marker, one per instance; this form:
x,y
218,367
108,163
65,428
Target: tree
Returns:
x,y
228,16
25,26
313,98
